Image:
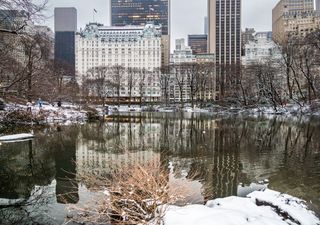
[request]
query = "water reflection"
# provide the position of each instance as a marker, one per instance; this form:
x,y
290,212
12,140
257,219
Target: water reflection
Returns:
x,y
209,155
219,153
35,174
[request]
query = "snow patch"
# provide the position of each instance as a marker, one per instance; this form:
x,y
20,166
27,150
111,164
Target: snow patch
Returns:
x,y
244,211
294,207
16,137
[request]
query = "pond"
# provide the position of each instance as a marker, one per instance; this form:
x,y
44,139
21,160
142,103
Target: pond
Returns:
x,y
213,157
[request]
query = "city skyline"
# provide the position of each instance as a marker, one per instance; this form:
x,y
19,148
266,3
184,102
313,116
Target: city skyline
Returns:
x,y
254,14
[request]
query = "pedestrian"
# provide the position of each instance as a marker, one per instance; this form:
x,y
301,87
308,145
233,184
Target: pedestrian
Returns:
x,y
40,103
59,103
29,105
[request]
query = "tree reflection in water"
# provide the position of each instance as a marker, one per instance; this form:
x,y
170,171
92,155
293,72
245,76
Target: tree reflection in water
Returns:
x,y
211,155
33,175
220,153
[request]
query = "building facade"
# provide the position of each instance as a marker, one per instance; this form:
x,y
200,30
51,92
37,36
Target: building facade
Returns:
x,y
49,34
180,83
264,51
11,47
198,43
225,30
246,36
292,17
301,25
205,58
318,5
141,12
225,42
14,20
65,27
206,25
182,53
10,43
261,48
135,48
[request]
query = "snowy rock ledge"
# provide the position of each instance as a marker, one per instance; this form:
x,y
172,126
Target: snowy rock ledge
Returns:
x,y
259,208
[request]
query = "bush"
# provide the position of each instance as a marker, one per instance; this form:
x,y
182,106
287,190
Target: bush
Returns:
x,y
135,194
22,117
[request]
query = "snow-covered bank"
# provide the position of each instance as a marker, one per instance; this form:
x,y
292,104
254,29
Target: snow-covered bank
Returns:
x,y
47,114
286,110
259,208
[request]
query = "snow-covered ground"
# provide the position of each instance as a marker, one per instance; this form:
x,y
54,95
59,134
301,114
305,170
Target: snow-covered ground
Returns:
x,y
52,114
287,110
258,208
70,113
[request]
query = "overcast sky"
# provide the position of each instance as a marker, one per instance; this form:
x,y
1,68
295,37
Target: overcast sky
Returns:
x,y
187,16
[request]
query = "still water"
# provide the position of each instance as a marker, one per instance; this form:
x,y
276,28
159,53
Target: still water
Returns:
x,y
211,156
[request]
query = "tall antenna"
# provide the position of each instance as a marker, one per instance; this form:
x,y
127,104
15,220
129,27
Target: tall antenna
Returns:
x,y
93,14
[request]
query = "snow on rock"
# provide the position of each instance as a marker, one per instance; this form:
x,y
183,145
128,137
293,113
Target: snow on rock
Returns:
x,y
16,137
244,211
295,208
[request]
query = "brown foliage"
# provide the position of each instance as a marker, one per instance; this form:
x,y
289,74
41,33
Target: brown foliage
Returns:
x,y
22,117
135,194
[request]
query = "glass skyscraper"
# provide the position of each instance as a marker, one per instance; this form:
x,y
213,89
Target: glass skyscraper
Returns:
x,y
140,12
65,26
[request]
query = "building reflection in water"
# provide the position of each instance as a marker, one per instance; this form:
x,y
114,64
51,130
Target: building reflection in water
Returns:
x,y
22,167
65,165
209,156
217,153
196,149
50,156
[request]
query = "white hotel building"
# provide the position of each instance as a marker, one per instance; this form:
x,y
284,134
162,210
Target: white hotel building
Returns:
x,y
137,47
261,49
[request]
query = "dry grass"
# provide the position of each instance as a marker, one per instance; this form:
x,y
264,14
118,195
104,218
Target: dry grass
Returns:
x,y
136,194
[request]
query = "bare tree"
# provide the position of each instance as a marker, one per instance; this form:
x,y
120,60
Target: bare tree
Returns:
x,y
28,62
36,51
117,74
131,81
97,83
180,79
16,15
141,83
307,59
206,81
193,73
164,79
269,82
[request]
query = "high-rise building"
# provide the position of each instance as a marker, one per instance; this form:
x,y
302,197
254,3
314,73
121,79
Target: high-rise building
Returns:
x,y
141,12
206,25
246,36
65,27
224,41
318,5
198,43
288,16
